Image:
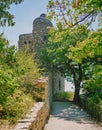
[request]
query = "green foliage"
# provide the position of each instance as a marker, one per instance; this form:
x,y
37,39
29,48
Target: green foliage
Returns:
x,y
3,43
93,106
94,109
8,84
89,10
61,12
28,70
89,53
73,49
26,67
58,51
73,12
6,18
17,71
93,85
7,53
88,48
17,106
36,89
64,96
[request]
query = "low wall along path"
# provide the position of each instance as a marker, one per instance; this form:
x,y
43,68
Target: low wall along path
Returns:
x,y
36,119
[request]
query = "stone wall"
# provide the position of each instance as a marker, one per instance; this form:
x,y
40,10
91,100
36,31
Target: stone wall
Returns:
x,y
58,82
36,119
38,115
26,40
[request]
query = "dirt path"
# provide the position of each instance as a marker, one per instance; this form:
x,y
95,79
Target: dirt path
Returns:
x,y
66,116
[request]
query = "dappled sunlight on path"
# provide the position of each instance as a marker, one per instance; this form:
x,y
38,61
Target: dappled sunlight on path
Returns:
x,y
67,116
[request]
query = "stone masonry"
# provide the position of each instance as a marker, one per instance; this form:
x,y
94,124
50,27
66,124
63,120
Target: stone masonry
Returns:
x,y
36,119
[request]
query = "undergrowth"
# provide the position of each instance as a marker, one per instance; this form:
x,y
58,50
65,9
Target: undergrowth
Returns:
x,y
64,96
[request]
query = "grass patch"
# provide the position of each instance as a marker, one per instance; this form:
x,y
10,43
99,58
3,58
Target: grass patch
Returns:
x,y
63,96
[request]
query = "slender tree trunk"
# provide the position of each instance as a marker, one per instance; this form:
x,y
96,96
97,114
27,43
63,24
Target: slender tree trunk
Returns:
x,y
77,78
76,99
77,82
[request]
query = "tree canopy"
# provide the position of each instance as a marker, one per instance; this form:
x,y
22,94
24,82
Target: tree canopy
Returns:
x,y
88,48
72,48
6,18
73,12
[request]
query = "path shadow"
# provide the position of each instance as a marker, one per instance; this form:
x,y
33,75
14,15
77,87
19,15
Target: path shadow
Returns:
x,y
69,111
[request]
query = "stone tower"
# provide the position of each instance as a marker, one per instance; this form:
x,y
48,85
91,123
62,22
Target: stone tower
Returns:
x,y
35,41
40,31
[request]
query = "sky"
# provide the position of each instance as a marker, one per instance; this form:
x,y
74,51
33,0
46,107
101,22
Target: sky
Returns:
x,y
24,14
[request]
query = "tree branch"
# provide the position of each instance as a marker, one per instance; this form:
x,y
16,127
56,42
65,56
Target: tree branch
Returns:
x,y
84,17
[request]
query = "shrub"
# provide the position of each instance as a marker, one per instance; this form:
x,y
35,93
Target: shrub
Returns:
x,y
37,90
8,83
92,97
64,96
17,70
93,105
29,72
17,106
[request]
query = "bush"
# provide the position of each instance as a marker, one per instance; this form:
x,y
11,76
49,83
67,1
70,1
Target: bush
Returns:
x,y
30,72
64,96
17,106
92,97
18,70
93,105
8,83
37,90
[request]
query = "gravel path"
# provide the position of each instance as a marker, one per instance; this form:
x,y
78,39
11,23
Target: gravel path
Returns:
x,y
66,116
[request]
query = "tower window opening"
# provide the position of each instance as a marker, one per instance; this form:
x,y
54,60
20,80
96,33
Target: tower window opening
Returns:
x,y
45,38
25,42
59,84
30,42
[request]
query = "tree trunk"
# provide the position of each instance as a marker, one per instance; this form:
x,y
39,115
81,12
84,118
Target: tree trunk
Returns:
x,y
77,82
76,98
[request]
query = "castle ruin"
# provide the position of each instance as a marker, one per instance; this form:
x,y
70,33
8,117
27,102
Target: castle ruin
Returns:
x,y
35,41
